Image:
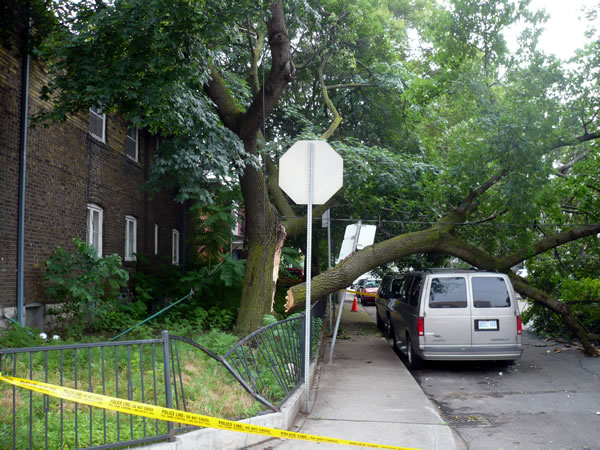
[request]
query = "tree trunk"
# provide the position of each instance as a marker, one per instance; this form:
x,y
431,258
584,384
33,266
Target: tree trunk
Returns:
x,y
264,234
265,237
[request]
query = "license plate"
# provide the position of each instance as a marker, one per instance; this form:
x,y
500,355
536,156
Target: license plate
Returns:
x,y
487,325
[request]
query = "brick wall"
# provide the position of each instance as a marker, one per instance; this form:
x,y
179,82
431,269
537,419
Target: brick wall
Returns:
x,y
67,168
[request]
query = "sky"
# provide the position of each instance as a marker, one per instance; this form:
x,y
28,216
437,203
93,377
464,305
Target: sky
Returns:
x,y
564,31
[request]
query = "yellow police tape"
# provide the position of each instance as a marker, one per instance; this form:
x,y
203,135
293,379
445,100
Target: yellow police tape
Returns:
x,y
366,294
174,415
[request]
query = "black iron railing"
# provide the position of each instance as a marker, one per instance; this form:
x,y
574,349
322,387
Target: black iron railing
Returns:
x,y
268,364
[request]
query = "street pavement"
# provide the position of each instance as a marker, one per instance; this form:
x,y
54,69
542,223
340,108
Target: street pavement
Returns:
x,y
367,395
548,399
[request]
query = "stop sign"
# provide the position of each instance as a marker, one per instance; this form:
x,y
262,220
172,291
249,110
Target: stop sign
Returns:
x,y
327,172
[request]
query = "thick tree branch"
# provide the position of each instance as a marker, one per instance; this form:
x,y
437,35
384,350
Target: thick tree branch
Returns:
x,y
227,108
559,307
275,193
457,247
255,51
330,106
470,204
562,170
282,73
550,242
344,273
586,137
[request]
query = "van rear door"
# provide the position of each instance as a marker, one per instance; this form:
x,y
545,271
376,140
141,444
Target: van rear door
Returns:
x,y
494,312
447,313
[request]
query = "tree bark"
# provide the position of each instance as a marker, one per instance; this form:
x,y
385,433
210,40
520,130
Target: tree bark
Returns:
x,y
265,236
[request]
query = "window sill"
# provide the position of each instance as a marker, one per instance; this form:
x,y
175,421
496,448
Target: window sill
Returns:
x,y
133,162
96,140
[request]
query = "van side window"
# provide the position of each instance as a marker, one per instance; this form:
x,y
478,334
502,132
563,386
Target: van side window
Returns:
x,y
415,290
395,290
384,287
450,292
405,290
490,292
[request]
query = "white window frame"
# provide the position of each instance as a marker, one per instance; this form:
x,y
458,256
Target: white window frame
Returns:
x,y
156,239
93,209
95,110
130,250
175,246
135,141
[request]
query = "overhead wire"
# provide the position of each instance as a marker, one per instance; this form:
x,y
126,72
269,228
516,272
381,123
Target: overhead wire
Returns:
x,y
418,222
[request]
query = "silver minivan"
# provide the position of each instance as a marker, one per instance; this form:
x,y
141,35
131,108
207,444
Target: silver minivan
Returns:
x,y
449,314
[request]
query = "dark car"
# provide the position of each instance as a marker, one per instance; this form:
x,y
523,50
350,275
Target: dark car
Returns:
x,y
389,290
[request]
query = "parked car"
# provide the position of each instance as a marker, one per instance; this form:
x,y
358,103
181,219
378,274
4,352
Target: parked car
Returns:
x,y
387,294
448,314
369,287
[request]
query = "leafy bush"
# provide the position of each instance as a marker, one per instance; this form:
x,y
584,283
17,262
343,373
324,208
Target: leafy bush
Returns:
x,y
16,336
88,288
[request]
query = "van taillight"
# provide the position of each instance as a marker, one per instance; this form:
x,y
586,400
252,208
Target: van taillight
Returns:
x,y
421,326
519,325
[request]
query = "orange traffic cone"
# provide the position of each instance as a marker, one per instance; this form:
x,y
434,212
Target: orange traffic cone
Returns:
x,y
355,305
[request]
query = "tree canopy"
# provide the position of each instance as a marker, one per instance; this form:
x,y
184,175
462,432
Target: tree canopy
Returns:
x,y
454,144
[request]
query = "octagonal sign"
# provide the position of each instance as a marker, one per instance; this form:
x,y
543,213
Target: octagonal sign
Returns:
x,y
327,172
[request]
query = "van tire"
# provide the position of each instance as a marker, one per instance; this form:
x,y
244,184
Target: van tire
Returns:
x,y
414,361
379,322
393,336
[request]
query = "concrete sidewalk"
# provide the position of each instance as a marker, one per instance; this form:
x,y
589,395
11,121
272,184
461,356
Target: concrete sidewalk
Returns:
x,y
366,395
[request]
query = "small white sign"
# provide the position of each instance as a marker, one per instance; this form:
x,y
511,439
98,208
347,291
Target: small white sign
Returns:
x,y
364,235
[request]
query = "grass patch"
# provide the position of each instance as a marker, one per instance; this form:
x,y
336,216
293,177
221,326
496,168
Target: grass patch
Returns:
x,y
131,372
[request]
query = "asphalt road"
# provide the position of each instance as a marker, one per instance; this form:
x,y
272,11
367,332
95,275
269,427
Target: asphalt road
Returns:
x,y
549,399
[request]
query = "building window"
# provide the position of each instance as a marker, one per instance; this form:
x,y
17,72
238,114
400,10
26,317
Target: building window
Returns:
x,y
175,247
156,239
130,238
98,123
131,143
94,227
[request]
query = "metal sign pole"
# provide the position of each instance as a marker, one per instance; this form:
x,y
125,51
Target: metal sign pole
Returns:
x,y
342,299
307,321
329,268
326,222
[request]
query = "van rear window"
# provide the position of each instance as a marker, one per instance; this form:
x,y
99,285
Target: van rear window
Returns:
x,y
448,293
490,292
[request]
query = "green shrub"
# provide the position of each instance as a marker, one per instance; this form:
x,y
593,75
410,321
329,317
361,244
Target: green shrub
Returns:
x,y
88,288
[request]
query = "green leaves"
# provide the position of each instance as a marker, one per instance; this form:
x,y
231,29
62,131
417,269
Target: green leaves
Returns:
x,y
85,285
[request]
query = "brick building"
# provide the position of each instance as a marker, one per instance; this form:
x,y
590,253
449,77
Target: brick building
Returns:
x,y
83,179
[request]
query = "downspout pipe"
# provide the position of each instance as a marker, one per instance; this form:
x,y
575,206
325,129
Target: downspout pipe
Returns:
x,y
22,179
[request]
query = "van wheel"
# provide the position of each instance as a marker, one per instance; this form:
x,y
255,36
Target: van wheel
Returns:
x,y
414,360
392,334
387,326
379,322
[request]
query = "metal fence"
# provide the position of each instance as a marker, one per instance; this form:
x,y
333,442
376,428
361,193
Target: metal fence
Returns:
x,y
267,364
